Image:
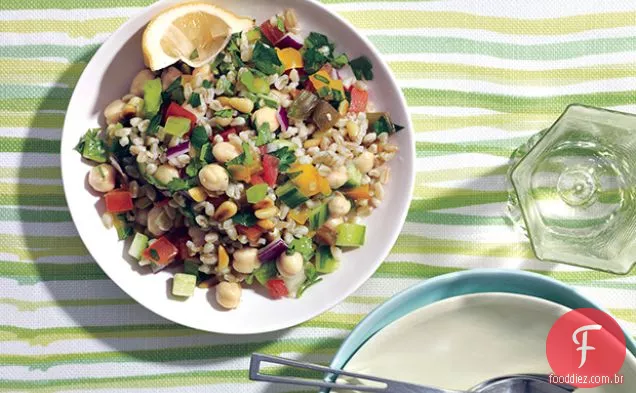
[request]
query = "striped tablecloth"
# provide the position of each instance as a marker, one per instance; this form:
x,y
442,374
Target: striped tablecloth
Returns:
x,y
480,78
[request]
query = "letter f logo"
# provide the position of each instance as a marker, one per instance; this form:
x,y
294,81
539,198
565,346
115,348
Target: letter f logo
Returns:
x,y
584,347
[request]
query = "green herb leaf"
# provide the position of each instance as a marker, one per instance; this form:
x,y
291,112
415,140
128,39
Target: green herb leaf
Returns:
x,y
245,218
245,158
264,135
362,68
92,146
313,60
155,123
174,92
266,60
193,168
206,153
194,55
317,40
340,61
154,255
206,84
225,113
199,137
181,184
304,246
285,156
195,100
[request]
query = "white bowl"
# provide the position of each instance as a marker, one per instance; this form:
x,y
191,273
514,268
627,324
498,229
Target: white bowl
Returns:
x,y
461,341
108,76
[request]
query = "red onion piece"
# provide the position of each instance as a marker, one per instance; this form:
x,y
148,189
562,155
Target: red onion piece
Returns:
x,y
181,148
282,118
271,251
346,72
290,41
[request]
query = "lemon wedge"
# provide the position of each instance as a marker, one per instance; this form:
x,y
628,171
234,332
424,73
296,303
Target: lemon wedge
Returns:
x,y
192,32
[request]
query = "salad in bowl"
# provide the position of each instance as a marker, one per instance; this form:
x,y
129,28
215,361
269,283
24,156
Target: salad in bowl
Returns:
x,y
251,164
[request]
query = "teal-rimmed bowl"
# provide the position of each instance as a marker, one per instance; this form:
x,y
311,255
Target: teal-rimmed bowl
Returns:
x,y
457,284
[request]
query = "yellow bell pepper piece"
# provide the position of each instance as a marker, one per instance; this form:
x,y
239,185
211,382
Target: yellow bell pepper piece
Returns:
x,y
336,84
323,185
300,216
317,82
306,179
290,57
198,194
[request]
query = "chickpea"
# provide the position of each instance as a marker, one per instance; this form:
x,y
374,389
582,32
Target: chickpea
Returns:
x,y
228,294
364,162
114,111
266,115
165,173
339,206
102,178
290,265
168,76
225,151
158,221
241,104
338,177
214,177
137,85
245,260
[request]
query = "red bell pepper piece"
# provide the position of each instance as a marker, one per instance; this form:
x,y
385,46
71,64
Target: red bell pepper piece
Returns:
x,y
277,288
118,201
270,169
256,179
272,33
161,252
177,110
359,99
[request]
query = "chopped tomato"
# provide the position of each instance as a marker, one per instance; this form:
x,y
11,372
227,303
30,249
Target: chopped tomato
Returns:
x,y
177,110
252,233
359,99
256,179
226,133
277,288
272,33
118,201
270,169
161,252
162,202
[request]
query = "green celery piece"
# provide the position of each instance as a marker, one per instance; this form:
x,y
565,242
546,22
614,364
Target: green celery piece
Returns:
x,y
325,262
304,246
254,84
177,126
266,272
318,216
152,97
256,193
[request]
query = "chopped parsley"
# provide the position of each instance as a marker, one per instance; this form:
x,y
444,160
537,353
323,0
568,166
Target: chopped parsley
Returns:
x,y
206,84
154,255
318,51
153,126
206,153
181,184
245,218
199,137
245,158
285,156
362,68
339,61
225,113
224,85
195,100
91,146
265,59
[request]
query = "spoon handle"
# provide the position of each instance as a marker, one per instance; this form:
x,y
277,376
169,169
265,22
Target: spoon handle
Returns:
x,y
389,385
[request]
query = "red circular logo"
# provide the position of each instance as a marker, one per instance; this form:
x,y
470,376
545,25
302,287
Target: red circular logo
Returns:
x,y
586,348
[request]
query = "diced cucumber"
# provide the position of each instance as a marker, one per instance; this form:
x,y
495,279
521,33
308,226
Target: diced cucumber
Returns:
x,y
191,266
177,126
325,261
138,245
290,195
152,97
303,245
183,284
256,193
354,176
318,216
350,235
